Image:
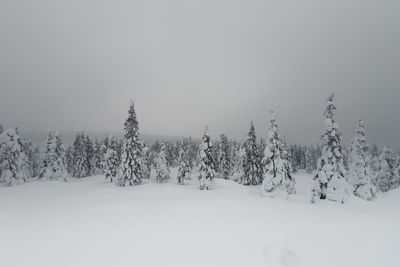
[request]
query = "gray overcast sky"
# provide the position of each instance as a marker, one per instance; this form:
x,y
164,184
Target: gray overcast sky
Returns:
x,y
73,65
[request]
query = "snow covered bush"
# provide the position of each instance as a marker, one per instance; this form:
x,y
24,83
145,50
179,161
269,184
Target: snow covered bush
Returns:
x,y
13,161
206,164
360,172
131,159
225,162
330,182
252,170
161,165
110,163
278,179
184,164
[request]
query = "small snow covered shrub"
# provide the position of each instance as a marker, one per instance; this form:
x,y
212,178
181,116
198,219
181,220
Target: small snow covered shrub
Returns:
x,y
278,179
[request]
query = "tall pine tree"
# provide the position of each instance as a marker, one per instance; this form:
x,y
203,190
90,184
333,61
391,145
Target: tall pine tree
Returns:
x,y
161,165
225,161
330,180
386,179
80,158
110,164
184,167
13,161
360,172
278,177
252,171
131,158
206,165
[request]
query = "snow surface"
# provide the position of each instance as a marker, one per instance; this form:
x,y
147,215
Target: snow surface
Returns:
x,y
89,222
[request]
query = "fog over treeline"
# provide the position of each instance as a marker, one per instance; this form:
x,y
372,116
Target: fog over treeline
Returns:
x,y
75,65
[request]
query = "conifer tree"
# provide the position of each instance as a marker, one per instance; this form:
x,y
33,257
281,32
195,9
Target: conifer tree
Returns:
x,y
69,158
80,159
239,162
97,158
146,162
225,162
206,163
49,152
278,177
111,160
184,164
309,161
330,180
252,171
131,158
386,179
1,128
33,157
13,161
89,155
53,165
60,167
360,172
161,165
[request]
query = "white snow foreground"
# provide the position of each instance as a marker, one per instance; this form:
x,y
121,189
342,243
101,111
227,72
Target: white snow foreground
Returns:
x,y
89,222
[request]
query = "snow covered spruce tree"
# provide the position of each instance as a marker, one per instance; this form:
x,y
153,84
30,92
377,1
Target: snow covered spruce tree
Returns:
x,y
80,159
225,162
330,182
89,156
206,164
131,158
1,128
13,161
110,163
183,163
239,163
54,162
386,179
161,165
309,161
146,162
278,179
360,172
252,170
97,158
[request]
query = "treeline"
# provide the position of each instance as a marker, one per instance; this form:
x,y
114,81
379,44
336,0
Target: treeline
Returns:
x,y
271,162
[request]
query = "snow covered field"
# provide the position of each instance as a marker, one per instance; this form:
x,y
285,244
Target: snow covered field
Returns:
x,y
88,222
